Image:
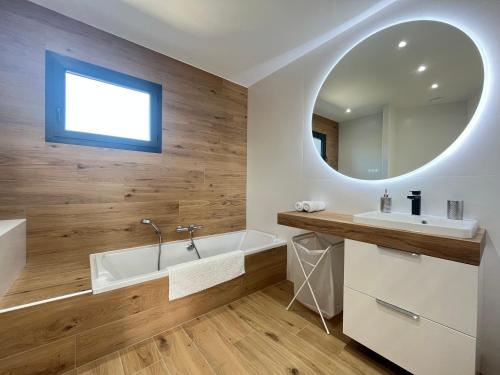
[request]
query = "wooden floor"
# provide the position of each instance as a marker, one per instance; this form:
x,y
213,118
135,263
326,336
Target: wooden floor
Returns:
x,y
254,335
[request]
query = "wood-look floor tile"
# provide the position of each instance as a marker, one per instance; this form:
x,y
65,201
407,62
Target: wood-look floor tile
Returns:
x,y
158,368
273,310
139,356
108,365
228,324
317,337
256,318
217,350
282,293
369,362
282,339
179,353
310,355
251,336
267,358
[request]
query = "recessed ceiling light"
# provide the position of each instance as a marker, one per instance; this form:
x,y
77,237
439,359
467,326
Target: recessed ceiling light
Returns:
x,y
403,44
348,110
422,68
435,85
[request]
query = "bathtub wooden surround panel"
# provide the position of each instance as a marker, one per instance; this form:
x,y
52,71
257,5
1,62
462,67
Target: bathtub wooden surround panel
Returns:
x,y
80,200
60,335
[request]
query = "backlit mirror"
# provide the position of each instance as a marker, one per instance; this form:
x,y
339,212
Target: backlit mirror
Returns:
x,y
397,100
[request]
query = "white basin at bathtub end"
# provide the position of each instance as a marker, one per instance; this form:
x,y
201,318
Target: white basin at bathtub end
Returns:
x,y
423,223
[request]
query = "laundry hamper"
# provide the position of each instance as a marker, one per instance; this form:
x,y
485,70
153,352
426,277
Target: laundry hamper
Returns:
x,y
322,258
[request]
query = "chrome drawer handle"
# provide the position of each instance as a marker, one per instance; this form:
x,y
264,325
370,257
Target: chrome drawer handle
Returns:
x,y
398,309
400,251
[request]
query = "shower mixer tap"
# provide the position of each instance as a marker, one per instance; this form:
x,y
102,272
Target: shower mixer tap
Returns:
x,y
190,228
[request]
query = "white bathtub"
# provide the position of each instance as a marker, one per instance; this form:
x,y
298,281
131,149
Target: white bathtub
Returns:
x,y
120,268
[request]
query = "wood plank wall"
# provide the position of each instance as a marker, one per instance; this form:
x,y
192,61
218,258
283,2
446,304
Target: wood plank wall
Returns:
x,y
78,199
331,129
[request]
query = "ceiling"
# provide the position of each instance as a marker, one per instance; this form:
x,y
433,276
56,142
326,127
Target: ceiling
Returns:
x,y
376,72
240,40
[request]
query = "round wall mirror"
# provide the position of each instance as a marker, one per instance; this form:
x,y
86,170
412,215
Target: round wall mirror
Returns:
x,y
397,100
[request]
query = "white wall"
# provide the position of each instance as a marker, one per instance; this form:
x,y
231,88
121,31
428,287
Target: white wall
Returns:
x,y
360,147
283,165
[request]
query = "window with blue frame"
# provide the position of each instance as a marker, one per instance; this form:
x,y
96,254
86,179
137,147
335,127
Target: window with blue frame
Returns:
x,y
86,104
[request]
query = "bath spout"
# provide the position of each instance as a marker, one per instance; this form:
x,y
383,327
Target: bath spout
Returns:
x,y
158,233
191,228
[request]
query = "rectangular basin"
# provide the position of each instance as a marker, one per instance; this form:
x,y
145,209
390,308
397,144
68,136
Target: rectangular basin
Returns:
x,y
422,224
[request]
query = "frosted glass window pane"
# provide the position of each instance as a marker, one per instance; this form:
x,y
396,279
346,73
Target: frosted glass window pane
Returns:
x,y
317,144
102,108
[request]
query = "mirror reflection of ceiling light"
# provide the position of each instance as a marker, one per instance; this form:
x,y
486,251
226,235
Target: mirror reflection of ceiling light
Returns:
x,y
436,99
402,44
348,110
422,68
434,86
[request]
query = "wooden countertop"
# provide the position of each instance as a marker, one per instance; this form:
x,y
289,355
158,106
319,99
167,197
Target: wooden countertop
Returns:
x,y
464,250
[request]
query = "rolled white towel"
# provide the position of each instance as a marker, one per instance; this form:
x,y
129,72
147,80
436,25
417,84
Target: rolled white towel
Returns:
x,y
313,206
299,206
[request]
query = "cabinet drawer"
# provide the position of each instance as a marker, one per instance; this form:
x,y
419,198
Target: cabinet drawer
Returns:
x,y
437,289
419,345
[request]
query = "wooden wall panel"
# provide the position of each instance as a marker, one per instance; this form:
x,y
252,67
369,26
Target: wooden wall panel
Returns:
x,y
79,199
52,359
331,129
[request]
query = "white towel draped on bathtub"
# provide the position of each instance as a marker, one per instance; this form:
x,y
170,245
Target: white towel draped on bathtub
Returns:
x,y
197,275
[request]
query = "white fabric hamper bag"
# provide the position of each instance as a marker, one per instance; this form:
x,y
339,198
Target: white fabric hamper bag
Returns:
x,y
327,281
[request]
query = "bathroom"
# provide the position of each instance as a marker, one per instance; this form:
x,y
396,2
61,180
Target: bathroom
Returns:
x,y
109,239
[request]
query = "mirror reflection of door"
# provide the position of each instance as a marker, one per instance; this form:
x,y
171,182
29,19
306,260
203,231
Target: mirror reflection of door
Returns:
x,y
398,99
326,139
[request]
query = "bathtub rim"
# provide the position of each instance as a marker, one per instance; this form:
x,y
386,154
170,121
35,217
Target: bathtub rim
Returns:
x,y
101,287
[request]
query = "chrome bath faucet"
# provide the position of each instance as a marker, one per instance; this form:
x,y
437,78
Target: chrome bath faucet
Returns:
x,y
191,228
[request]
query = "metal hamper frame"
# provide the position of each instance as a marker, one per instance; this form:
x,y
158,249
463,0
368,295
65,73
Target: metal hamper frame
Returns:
x,y
308,276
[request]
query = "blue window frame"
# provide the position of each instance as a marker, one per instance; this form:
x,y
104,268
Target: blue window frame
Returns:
x,y
86,104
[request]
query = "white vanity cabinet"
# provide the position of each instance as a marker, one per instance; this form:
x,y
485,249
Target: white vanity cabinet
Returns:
x,y
418,311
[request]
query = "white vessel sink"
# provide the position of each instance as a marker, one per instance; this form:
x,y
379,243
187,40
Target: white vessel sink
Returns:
x,y
423,224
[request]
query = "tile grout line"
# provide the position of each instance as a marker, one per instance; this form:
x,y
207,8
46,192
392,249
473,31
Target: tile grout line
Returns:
x,y
74,358
127,348
199,351
121,362
162,360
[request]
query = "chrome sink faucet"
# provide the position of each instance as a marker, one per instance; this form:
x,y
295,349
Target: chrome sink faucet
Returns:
x,y
158,234
191,228
416,201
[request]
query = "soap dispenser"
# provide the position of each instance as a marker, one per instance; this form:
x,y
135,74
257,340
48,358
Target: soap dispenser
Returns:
x,y
385,203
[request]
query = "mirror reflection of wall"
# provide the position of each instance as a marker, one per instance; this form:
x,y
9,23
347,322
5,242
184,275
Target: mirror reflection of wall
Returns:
x,y
398,99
